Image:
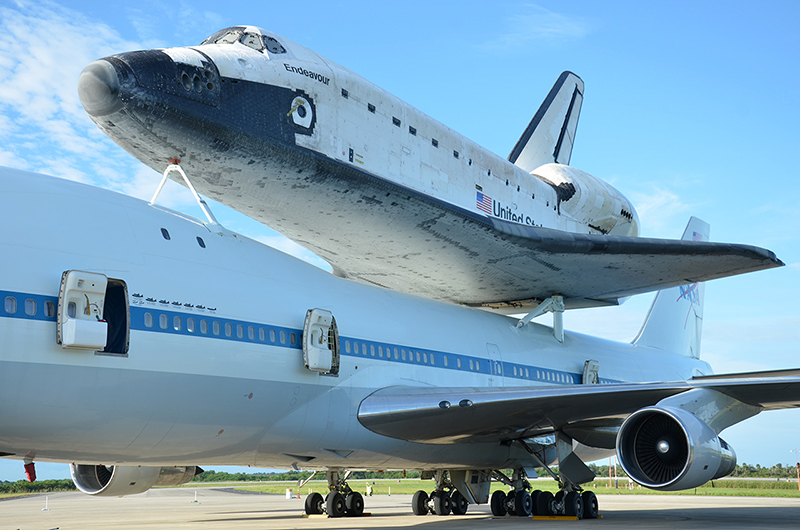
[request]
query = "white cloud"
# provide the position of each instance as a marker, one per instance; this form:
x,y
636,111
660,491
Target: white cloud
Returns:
x,y
535,25
661,211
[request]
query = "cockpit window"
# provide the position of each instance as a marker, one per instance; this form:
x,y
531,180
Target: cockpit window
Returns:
x,y
249,38
252,40
272,45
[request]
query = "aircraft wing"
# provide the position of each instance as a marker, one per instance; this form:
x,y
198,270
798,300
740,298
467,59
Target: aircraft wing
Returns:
x,y
589,414
590,269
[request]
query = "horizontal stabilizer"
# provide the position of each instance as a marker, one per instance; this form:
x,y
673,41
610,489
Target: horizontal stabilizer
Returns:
x,y
550,135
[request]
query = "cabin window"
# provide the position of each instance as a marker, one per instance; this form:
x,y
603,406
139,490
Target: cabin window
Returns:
x,y
240,331
372,350
396,353
455,155
30,307
347,346
345,93
515,371
176,323
412,130
478,366
363,348
262,335
527,374
215,327
148,320
162,321
458,362
203,326
11,305
434,142
252,40
380,352
228,329
292,339
395,122
445,361
190,325
165,234
272,336
283,337
251,333
471,364
371,108
201,242
49,309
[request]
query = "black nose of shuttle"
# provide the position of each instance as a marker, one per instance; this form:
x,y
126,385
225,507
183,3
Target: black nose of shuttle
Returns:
x,y
98,88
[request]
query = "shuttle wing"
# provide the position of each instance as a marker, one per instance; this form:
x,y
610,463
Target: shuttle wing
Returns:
x,y
589,414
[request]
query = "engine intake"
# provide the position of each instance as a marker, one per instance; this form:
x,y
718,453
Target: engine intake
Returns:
x,y
115,481
670,449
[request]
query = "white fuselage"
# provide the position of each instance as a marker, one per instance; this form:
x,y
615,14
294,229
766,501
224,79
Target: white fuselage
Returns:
x,y
226,384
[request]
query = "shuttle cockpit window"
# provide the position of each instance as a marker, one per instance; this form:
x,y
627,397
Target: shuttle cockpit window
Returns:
x,y
252,39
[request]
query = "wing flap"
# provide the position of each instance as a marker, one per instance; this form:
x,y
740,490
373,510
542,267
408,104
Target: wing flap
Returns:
x,y
470,415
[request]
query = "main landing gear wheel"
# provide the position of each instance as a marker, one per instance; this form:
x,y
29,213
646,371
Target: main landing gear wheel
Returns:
x,y
419,503
458,503
335,504
441,503
354,504
544,504
314,504
573,504
498,503
535,502
523,504
590,508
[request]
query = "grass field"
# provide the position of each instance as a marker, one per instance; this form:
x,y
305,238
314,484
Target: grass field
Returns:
x,y
741,488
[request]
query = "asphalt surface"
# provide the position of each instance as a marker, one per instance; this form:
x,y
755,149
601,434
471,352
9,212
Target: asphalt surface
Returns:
x,y
174,508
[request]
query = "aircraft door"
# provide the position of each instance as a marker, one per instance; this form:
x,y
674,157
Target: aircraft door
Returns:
x,y
495,365
321,342
80,311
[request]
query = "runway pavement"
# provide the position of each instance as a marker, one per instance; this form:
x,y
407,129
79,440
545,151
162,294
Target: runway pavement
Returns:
x,y
174,508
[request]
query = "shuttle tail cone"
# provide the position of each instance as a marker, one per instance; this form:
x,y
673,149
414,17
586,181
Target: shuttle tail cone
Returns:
x,y
675,320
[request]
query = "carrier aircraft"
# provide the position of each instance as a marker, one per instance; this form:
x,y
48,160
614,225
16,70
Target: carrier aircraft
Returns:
x,y
139,343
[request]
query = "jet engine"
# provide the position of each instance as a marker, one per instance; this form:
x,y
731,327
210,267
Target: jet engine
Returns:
x,y
670,449
115,481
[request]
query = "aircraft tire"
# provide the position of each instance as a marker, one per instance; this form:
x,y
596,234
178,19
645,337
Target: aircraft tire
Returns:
x,y
458,503
590,506
335,504
314,504
441,503
573,504
544,503
523,504
419,503
498,503
534,502
354,504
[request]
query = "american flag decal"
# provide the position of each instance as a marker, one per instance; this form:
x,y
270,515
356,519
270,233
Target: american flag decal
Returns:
x,y
484,203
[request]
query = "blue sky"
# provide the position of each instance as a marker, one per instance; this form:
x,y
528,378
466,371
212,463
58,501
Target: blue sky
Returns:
x,y
690,109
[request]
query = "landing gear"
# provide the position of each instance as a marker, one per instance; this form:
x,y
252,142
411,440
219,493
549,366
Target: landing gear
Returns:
x,y
341,499
498,503
590,509
517,501
444,500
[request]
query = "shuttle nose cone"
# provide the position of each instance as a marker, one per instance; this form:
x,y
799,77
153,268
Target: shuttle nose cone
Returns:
x,y
98,88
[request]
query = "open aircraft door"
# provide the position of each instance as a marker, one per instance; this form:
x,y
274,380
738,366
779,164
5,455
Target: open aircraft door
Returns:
x,y
80,310
321,342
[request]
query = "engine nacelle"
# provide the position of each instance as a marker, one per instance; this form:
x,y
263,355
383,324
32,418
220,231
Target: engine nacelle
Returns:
x,y
670,449
115,481
589,200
